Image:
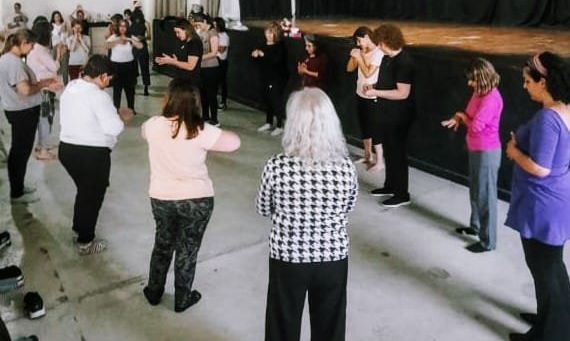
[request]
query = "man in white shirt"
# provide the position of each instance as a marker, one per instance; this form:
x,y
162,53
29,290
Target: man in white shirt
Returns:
x,y
90,125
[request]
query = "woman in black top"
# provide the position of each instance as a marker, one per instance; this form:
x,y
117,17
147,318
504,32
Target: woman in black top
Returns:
x,y
272,60
141,29
185,61
396,105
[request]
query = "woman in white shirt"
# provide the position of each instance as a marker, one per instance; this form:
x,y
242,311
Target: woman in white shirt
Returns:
x,y
223,47
79,45
366,60
59,33
121,45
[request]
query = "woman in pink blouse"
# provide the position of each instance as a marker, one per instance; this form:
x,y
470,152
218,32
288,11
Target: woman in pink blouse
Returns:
x,y
181,191
481,118
42,63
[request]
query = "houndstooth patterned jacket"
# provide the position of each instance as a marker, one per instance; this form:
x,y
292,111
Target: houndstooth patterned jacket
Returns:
x,y
308,206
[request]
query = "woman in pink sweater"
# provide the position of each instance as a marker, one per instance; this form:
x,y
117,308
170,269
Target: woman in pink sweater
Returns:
x,y
481,118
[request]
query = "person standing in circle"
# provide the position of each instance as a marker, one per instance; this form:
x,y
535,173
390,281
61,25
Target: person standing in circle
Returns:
x,y
185,62
540,195
482,117
181,191
20,95
90,126
308,192
397,110
121,45
366,60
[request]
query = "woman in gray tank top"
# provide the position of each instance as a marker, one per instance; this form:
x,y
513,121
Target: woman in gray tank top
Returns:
x,y
210,74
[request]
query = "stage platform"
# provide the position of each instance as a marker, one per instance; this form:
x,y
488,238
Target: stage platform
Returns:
x,y
441,53
496,40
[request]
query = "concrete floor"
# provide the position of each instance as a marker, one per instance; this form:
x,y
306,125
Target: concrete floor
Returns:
x,y
410,277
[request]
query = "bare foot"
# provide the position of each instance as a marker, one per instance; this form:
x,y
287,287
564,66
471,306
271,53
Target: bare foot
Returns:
x,y
376,167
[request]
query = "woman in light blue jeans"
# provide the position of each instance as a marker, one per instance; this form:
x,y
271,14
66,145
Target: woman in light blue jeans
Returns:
x,y
481,118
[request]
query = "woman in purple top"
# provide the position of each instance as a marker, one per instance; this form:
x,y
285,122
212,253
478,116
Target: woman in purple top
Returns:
x,y
540,195
482,117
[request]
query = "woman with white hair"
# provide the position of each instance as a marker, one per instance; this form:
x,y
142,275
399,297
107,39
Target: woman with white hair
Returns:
x,y
308,191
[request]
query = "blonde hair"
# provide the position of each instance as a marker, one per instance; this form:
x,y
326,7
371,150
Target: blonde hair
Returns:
x,y
275,30
483,73
312,131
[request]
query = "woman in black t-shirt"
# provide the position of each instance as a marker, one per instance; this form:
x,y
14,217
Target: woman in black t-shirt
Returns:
x,y
272,61
395,93
186,60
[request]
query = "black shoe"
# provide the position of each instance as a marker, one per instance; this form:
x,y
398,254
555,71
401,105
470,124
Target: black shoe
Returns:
x,y
222,106
5,240
379,192
146,90
214,123
195,296
396,202
34,305
477,248
466,230
529,318
518,337
153,298
11,278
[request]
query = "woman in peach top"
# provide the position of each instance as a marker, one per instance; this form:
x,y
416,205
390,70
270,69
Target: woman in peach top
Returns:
x,y
181,192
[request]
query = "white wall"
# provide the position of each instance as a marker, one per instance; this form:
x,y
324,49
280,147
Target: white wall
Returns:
x,y
34,8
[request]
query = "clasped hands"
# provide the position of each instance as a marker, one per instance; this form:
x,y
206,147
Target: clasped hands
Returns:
x,y
166,59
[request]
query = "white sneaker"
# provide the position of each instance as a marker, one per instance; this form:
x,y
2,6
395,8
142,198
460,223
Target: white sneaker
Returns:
x,y
27,198
264,127
277,132
93,247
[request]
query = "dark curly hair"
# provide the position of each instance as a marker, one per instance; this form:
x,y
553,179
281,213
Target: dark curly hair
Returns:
x,y
557,75
390,35
361,32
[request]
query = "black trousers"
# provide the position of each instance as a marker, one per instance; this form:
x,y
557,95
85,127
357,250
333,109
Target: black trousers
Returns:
x,y
125,78
210,77
180,227
24,124
368,117
275,103
325,284
224,79
552,288
143,59
395,144
89,167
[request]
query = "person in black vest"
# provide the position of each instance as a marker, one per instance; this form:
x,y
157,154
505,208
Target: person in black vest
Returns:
x,y
141,29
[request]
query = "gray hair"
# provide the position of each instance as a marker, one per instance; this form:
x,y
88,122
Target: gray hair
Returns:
x,y
312,131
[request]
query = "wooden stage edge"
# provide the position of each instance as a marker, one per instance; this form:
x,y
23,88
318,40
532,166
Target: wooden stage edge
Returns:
x,y
486,39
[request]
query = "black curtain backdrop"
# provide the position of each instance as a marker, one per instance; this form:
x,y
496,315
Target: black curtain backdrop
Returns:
x,y
441,91
496,12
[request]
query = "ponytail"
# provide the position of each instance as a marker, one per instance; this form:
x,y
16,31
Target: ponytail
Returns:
x,y
10,42
17,38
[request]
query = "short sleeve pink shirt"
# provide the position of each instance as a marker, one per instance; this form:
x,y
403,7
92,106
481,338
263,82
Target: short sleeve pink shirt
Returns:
x,y
178,168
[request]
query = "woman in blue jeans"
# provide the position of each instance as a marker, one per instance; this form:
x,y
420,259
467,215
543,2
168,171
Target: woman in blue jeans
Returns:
x,y
481,118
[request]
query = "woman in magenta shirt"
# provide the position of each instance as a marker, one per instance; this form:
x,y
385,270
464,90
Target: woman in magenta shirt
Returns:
x,y
482,117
